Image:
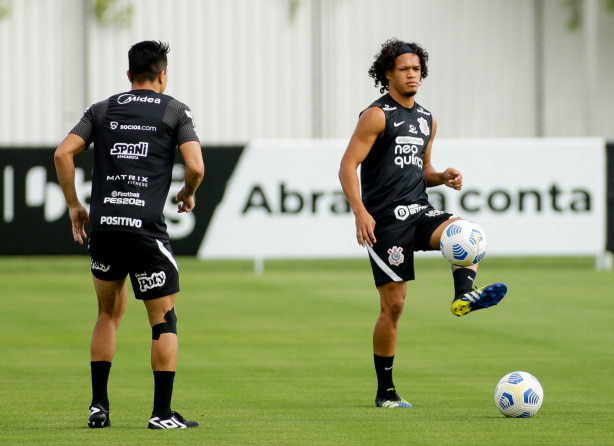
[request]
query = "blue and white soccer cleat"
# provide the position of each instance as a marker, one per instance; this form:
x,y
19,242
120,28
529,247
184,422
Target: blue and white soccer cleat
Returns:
x,y
391,400
479,298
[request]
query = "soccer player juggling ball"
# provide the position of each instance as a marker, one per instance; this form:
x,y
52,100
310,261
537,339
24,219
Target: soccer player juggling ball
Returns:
x,y
135,135
392,143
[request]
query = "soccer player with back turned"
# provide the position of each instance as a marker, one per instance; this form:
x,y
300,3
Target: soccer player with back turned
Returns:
x,y
135,135
392,143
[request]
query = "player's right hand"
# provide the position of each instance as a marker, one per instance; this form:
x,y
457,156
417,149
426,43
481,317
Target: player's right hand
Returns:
x,y
79,217
365,225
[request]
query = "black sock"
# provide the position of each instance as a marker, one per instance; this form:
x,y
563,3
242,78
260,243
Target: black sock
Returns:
x,y
100,378
383,369
163,392
463,280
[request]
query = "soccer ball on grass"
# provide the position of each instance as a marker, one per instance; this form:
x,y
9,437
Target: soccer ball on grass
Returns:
x,y
463,243
519,395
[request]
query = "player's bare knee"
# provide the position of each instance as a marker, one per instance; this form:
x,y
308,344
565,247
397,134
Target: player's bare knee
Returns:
x,y
110,316
168,326
392,309
396,309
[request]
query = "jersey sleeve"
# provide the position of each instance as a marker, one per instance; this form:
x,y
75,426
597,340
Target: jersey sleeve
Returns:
x,y
85,127
179,117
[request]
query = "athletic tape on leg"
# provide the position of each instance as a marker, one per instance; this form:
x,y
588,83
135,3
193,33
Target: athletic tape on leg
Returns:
x,y
170,326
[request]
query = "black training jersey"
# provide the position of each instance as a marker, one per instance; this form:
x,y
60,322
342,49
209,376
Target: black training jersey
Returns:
x,y
135,135
392,174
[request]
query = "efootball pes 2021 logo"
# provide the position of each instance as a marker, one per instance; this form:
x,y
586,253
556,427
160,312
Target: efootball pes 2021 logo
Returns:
x,y
396,255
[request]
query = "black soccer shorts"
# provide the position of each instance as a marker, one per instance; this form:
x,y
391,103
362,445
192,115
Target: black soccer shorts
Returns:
x,y
392,256
149,262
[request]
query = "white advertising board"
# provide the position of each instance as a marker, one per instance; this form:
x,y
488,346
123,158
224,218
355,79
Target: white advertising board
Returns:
x,y
284,200
532,197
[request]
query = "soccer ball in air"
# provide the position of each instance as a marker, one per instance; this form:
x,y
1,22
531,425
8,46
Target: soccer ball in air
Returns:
x,y
519,395
463,243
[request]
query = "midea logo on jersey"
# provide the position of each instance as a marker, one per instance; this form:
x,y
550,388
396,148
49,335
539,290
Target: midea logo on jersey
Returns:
x,y
421,110
129,97
156,280
130,151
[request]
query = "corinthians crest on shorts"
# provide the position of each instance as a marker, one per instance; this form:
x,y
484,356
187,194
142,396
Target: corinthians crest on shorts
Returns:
x,y
396,255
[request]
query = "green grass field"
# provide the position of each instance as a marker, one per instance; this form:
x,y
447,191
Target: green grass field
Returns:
x,y
285,358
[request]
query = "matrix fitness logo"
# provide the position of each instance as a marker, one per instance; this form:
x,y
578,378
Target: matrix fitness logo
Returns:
x,y
132,180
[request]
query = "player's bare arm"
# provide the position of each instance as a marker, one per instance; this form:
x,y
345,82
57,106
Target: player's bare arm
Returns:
x,y
371,124
450,177
65,167
194,173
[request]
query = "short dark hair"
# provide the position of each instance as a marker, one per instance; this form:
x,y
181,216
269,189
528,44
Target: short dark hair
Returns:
x,y
384,61
147,59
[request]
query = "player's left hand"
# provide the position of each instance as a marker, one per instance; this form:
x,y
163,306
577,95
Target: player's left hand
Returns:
x,y
186,202
453,178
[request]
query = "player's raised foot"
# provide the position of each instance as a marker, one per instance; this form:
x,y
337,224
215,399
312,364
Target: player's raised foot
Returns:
x,y
175,421
479,298
390,400
99,417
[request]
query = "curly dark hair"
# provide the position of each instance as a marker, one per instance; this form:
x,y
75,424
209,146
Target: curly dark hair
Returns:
x,y
384,61
146,59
